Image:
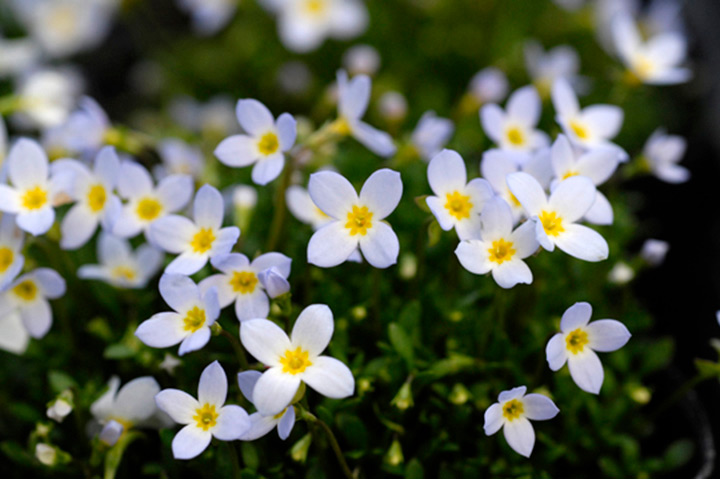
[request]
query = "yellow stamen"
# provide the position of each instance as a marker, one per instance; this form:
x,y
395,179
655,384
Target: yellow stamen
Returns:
x,y
513,409
268,144
206,416
359,220
96,198
576,341
513,200
148,209
194,319
580,130
34,198
458,205
6,258
295,362
203,240
124,272
315,7
515,136
570,174
341,126
552,223
243,282
27,290
501,251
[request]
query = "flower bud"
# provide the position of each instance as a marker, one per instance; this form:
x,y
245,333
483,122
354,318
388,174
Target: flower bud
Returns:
x,y
274,283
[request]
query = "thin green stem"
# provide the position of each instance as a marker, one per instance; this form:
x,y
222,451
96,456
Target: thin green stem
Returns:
x,y
336,449
239,352
234,460
279,207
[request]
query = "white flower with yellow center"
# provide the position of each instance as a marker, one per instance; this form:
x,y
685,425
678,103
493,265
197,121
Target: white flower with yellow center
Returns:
x,y
302,207
205,417
131,406
656,61
209,16
84,132
545,67
577,342
95,202
120,266
431,134
47,96
240,282
555,217
146,203
457,203
11,244
261,425
190,322
512,413
265,143
499,249
32,193
514,128
295,359
597,165
662,153
593,126
357,221
29,295
353,99
179,158
199,240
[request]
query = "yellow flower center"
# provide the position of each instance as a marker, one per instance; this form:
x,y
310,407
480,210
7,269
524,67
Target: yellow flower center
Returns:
x,y
341,126
268,144
124,272
515,136
206,416
552,223
570,174
295,362
359,220
148,209
243,282
501,251
203,240
458,205
34,198
513,409
315,7
576,341
643,67
580,130
96,198
194,319
6,258
513,200
27,290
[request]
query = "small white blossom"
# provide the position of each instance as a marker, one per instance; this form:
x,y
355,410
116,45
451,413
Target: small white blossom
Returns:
x,y
512,413
654,251
261,425
621,274
205,417
179,158
29,295
209,16
47,96
19,54
392,106
662,153
489,85
46,454
59,409
361,60
545,67
120,266
83,132
577,342
431,134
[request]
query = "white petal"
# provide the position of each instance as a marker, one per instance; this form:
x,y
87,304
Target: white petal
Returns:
x,y
179,405
195,341
598,165
254,117
274,391
329,377
267,169
37,317
135,401
134,181
539,407
331,245
576,316
51,283
228,263
13,335
601,212
237,151
225,294
354,95
583,243
473,256
313,329
443,217
175,191
36,222
172,233
287,131
586,370
380,246
496,219
572,198
524,240
208,208
528,192
511,273
187,263
251,306
446,173
190,442
300,204
298,35
77,227
27,164
493,419
513,393
264,340
604,121
161,330
492,118
246,381
524,106
672,174
562,156
607,335
213,385
9,199
332,193
564,99
232,422
149,260
520,436
556,352
279,261
374,140
226,239
381,192
287,421
259,426
107,166
179,291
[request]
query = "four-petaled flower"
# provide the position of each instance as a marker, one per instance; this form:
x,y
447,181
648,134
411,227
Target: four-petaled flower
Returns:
x,y
259,424
29,294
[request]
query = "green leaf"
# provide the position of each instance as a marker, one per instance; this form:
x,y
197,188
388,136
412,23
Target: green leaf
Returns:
x,y
414,470
401,342
60,381
118,351
679,453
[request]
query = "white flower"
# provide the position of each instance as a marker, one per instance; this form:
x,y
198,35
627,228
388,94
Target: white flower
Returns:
x,y
544,68
11,244
457,203
295,359
593,126
361,60
32,193
512,413
209,16
19,54
148,203
489,85
197,241
205,417
133,405
244,197
515,127
655,61
597,165
499,249
83,132
261,425
621,273
304,24
654,251
240,283
662,153
190,322
120,266
265,142
59,409
47,96
93,193
555,217
431,134
14,337
46,454
302,207
29,295
179,158
357,221
577,342
353,99
392,106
